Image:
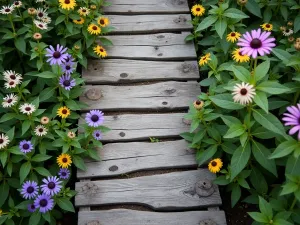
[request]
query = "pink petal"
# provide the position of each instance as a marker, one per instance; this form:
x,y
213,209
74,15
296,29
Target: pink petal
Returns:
x,y
268,40
294,130
254,54
293,110
248,36
244,44
258,32
254,34
269,45
290,119
261,51
291,123
250,52
299,136
265,36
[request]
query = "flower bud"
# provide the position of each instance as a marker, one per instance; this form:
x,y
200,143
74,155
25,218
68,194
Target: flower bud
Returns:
x,y
198,104
242,2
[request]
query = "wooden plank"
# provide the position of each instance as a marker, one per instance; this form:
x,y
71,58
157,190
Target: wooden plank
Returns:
x,y
151,47
150,23
171,191
165,95
101,72
149,7
121,158
132,217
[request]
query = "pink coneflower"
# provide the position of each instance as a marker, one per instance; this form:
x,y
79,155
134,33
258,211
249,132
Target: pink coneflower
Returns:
x,y
292,118
256,43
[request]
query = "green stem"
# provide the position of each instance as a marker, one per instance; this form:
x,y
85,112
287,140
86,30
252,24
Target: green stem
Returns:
x,y
12,25
20,93
296,97
293,204
21,15
255,64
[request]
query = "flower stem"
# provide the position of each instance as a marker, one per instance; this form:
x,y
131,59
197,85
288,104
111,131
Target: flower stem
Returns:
x,y
293,204
296,97
12,25
255,64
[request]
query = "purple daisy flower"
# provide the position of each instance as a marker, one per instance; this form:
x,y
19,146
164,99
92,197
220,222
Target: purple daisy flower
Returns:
x,y
293,119
31,207
97,135
67,82
56,56
44,202
29,189
25,146
70,59
68,68
256,43
94,118
64,173
51,186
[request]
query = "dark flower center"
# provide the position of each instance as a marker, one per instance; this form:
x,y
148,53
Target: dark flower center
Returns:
x,y
198,9
213,163
30,190
95,118
67,83
68,67
268,26
9,100
56,54
63,174
64,111
11,83
67,1
13,77
51,185
32,206
84,10
198,102
43,202
41,130
7,10
16,3
97,134
240,53
101,21
79,20
26,146
65,160
41,25
95,28
101,50
40,14
232,34
27,109
68,58
243,91
1,141
255,43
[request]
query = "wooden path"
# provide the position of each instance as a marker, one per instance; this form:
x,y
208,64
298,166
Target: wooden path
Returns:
x,y
145,87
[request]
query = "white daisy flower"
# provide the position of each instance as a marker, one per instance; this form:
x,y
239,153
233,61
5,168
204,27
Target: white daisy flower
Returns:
x,y
27,108
12,75
7,9
10,84
243,93
37,1
41,13
287,32
46,19
4,141
83,11
9,101
17,4
40,25
40,130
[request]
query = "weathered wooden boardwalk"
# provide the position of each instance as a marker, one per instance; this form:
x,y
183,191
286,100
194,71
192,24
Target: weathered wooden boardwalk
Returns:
x,y
145,87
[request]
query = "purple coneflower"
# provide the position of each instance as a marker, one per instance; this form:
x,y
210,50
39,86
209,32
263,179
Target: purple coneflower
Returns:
x,y
70,59
256,43
56,56
51,186
67,82
94,118
29,189
44,202
25,146
293,119
64,173
31,208
68,68
97,135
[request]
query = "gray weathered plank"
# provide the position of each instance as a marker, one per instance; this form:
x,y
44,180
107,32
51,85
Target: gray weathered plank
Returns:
x,y
121,158
150,23
149,7
164,95
171,191
151,47
132,217
101,72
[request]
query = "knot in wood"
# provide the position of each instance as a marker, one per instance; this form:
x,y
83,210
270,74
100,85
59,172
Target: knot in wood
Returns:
x,y
124,75
93,222
156,47
186,68
204,188
207,222
93,94
186,122
113,168
177,2
160,36
90,189
180,19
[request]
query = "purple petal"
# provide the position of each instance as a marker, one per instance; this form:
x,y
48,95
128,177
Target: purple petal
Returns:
x,y
294,130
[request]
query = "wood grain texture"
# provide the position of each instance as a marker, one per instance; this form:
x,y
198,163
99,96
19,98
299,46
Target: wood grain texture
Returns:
x,y
121,158
130,127
172,191
150,23
151,47
149,7
165,95
132,217
101,72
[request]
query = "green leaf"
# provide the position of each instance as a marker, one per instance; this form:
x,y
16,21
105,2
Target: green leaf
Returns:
x,y
198,136
24,171
289,188
40,158
4,189
282,54
261,100
269,121
78,162
60,19
235,14
69,26
272,87
293,165
7,117
282,222
235,194
235,131
261,154
221,180
25,126
297,24
35,218
241,73
21,44
65,204
3,157
105,41
47,93
284,12
225,101
253,7
284,149
261,70
265,208
206,22
46,75
42,171
259,217
207,154
220,27
262,133
258,181
240,159
74,16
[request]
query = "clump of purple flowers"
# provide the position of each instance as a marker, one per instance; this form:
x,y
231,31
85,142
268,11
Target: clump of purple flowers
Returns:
x,y
56,56
67,82
44,202
292,118
94,118
29,189
51,186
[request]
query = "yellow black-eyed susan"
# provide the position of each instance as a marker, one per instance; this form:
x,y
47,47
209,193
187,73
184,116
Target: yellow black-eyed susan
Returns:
x,y
103,21
64,160
80,21
204,59
233,36
63,112
67,4
239,57
215,165
100,51
198,10
267,26
94,29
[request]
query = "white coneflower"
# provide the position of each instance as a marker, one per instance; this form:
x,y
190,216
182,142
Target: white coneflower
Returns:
x,y
7,9
12,75
27,108
17,4
9,101
45,120
287,32
46,19
71,134
41,13
10,84
37,1
37,36
41,25
4,141
243,93
83,11
40,130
